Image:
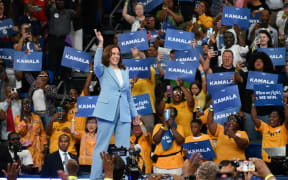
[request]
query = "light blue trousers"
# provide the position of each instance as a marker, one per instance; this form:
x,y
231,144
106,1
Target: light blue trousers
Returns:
x,y
104,133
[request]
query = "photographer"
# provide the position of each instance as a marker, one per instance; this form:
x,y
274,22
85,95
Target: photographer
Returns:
x,y
168,138
25,40
11,106
15,153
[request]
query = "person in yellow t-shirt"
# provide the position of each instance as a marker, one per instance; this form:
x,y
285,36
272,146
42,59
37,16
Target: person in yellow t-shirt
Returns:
x,y
143,86
72,106
168,137
199,92
184,108
197,136
273,134
57,126
143,138
231,142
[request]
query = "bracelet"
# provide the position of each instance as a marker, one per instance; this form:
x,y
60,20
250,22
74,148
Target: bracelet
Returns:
x,y
164,99
162,127
199,29
72,177
164,8
202,74
236,71
141,123
252,104
269,176
126,3
73,120
91,71
253,48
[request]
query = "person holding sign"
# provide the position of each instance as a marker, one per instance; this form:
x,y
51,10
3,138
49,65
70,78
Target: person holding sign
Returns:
x,y
184,108
197,136
231,141
259,62
115,107
87,142
134,21
168,137
273,133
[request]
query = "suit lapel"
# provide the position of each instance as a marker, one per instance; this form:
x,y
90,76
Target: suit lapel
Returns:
x,y
60,160
112,73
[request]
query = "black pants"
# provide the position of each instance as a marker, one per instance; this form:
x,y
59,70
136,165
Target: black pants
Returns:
x,y
55,51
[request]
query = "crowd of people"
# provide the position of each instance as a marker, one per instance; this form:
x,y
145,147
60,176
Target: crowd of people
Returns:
x,y
43,135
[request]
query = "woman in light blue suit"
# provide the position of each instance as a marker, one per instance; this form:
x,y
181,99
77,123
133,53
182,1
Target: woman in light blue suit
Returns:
x,y
115,107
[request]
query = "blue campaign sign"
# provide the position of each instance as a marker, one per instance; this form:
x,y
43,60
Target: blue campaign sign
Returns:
x,y
221,41
143,104
226,98
137,39
268,95
27,62
163,64
187,55
86,105
184,70
255,20
6,55
233,15
154,35
178,40
202,147
6,27
277,55
138,67
149,5
217,81
256,78
73,58
221,117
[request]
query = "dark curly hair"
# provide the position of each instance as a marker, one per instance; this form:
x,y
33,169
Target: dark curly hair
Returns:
x,y
107,53
268,66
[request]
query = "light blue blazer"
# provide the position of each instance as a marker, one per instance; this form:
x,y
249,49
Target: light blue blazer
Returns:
x,y
112,95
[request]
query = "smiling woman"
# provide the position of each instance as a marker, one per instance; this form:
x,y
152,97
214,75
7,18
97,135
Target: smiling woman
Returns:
x,y
115,107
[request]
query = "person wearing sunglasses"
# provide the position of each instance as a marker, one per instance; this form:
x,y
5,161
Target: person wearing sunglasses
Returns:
x,y
231,141
43,96
33,135
184,107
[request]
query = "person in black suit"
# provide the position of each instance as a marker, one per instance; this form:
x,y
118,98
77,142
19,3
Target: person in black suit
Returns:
x,y
57,160
14,152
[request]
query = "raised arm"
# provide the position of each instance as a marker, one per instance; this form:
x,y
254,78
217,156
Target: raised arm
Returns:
x,y
256,121
127,17
178,137
212,126
178,18
159,68
285,111
98,66
88,80
187,94
203,78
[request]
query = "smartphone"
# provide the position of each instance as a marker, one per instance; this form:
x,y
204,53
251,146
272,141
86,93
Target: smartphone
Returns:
x,y
28,30
59,111
194,19
37,8
209,32
285,88
246,166
257,40
169,89
197,4
166,114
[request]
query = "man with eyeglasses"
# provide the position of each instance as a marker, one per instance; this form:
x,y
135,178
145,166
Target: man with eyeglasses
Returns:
x,y
15,153
11,106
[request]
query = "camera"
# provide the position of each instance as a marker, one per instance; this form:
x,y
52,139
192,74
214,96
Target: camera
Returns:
x,y
133,171
16,147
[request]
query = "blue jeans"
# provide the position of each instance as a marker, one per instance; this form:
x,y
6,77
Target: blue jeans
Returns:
x,y
249,127
104,133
